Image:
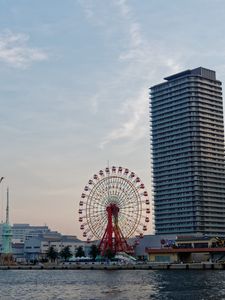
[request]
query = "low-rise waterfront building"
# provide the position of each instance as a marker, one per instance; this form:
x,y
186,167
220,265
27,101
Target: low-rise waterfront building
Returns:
x,y
18,252
31,243
189,249
152,241
36,248
22,232
198,242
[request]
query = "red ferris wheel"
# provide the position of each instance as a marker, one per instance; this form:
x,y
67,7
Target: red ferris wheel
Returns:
x,y
114,206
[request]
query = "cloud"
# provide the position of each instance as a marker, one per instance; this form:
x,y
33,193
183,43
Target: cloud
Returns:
x,y
88,9
16,53
140,63
133,127
144,62
89,12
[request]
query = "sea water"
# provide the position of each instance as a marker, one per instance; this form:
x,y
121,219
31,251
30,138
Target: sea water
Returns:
x,y
110,285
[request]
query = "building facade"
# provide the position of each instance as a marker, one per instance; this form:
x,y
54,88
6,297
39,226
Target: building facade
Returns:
x,y
36,248
188,154
31,243
22,232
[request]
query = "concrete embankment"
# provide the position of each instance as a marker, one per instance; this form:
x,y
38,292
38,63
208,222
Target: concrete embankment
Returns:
x,y
148,266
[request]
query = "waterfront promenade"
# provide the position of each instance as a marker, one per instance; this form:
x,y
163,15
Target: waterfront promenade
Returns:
x,y
147,266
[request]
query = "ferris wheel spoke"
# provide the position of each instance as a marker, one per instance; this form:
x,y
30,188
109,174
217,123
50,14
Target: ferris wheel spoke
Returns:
x,y
129,219
126,196
97,203
129,187
128,201
96,214
99,219
132,205
131,223
123,198
97,206
127,215
98,227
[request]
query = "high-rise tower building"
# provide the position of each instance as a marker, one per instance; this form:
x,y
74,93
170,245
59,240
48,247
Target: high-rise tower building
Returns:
x,y
188,154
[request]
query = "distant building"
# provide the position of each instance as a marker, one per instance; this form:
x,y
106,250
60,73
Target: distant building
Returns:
x,y
32,242
18,252
37,247
188,154
189,249
22,232
153,242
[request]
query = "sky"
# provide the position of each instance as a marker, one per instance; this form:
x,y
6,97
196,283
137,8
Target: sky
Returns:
x,y
74,92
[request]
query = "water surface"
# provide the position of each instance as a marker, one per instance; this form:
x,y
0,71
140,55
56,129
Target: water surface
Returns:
x,y
110,285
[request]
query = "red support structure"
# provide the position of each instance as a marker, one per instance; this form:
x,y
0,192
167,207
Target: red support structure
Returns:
x,y
113,238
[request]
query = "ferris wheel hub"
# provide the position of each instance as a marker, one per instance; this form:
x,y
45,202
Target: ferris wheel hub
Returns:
x,y
113,209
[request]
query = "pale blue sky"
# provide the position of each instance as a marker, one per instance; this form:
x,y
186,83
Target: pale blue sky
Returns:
x,y
74,79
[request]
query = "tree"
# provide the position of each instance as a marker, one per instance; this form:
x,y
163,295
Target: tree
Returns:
x,y
80,252
94,251
52,254
65,253
109,254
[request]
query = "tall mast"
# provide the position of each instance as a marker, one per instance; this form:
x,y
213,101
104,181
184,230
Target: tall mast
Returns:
x,y
108,181
7,207
1,201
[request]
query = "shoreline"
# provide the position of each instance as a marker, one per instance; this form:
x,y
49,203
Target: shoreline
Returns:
x,y
149,266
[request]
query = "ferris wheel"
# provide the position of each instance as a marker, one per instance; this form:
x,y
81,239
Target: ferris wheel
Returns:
x,y
114,206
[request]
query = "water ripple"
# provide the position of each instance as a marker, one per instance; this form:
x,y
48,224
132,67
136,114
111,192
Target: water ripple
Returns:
x,y
113,285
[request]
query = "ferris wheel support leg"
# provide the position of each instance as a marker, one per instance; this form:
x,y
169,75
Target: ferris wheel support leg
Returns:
x,y
107,240
113,238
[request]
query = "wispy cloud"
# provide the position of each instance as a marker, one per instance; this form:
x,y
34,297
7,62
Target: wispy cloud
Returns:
x,y
145,60
141,63
89,12
132,127
88,8
15,51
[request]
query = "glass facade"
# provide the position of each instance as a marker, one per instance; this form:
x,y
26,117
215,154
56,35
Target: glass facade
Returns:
x,y
188,154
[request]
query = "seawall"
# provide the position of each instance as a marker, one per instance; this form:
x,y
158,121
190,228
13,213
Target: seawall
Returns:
x,y
147,266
